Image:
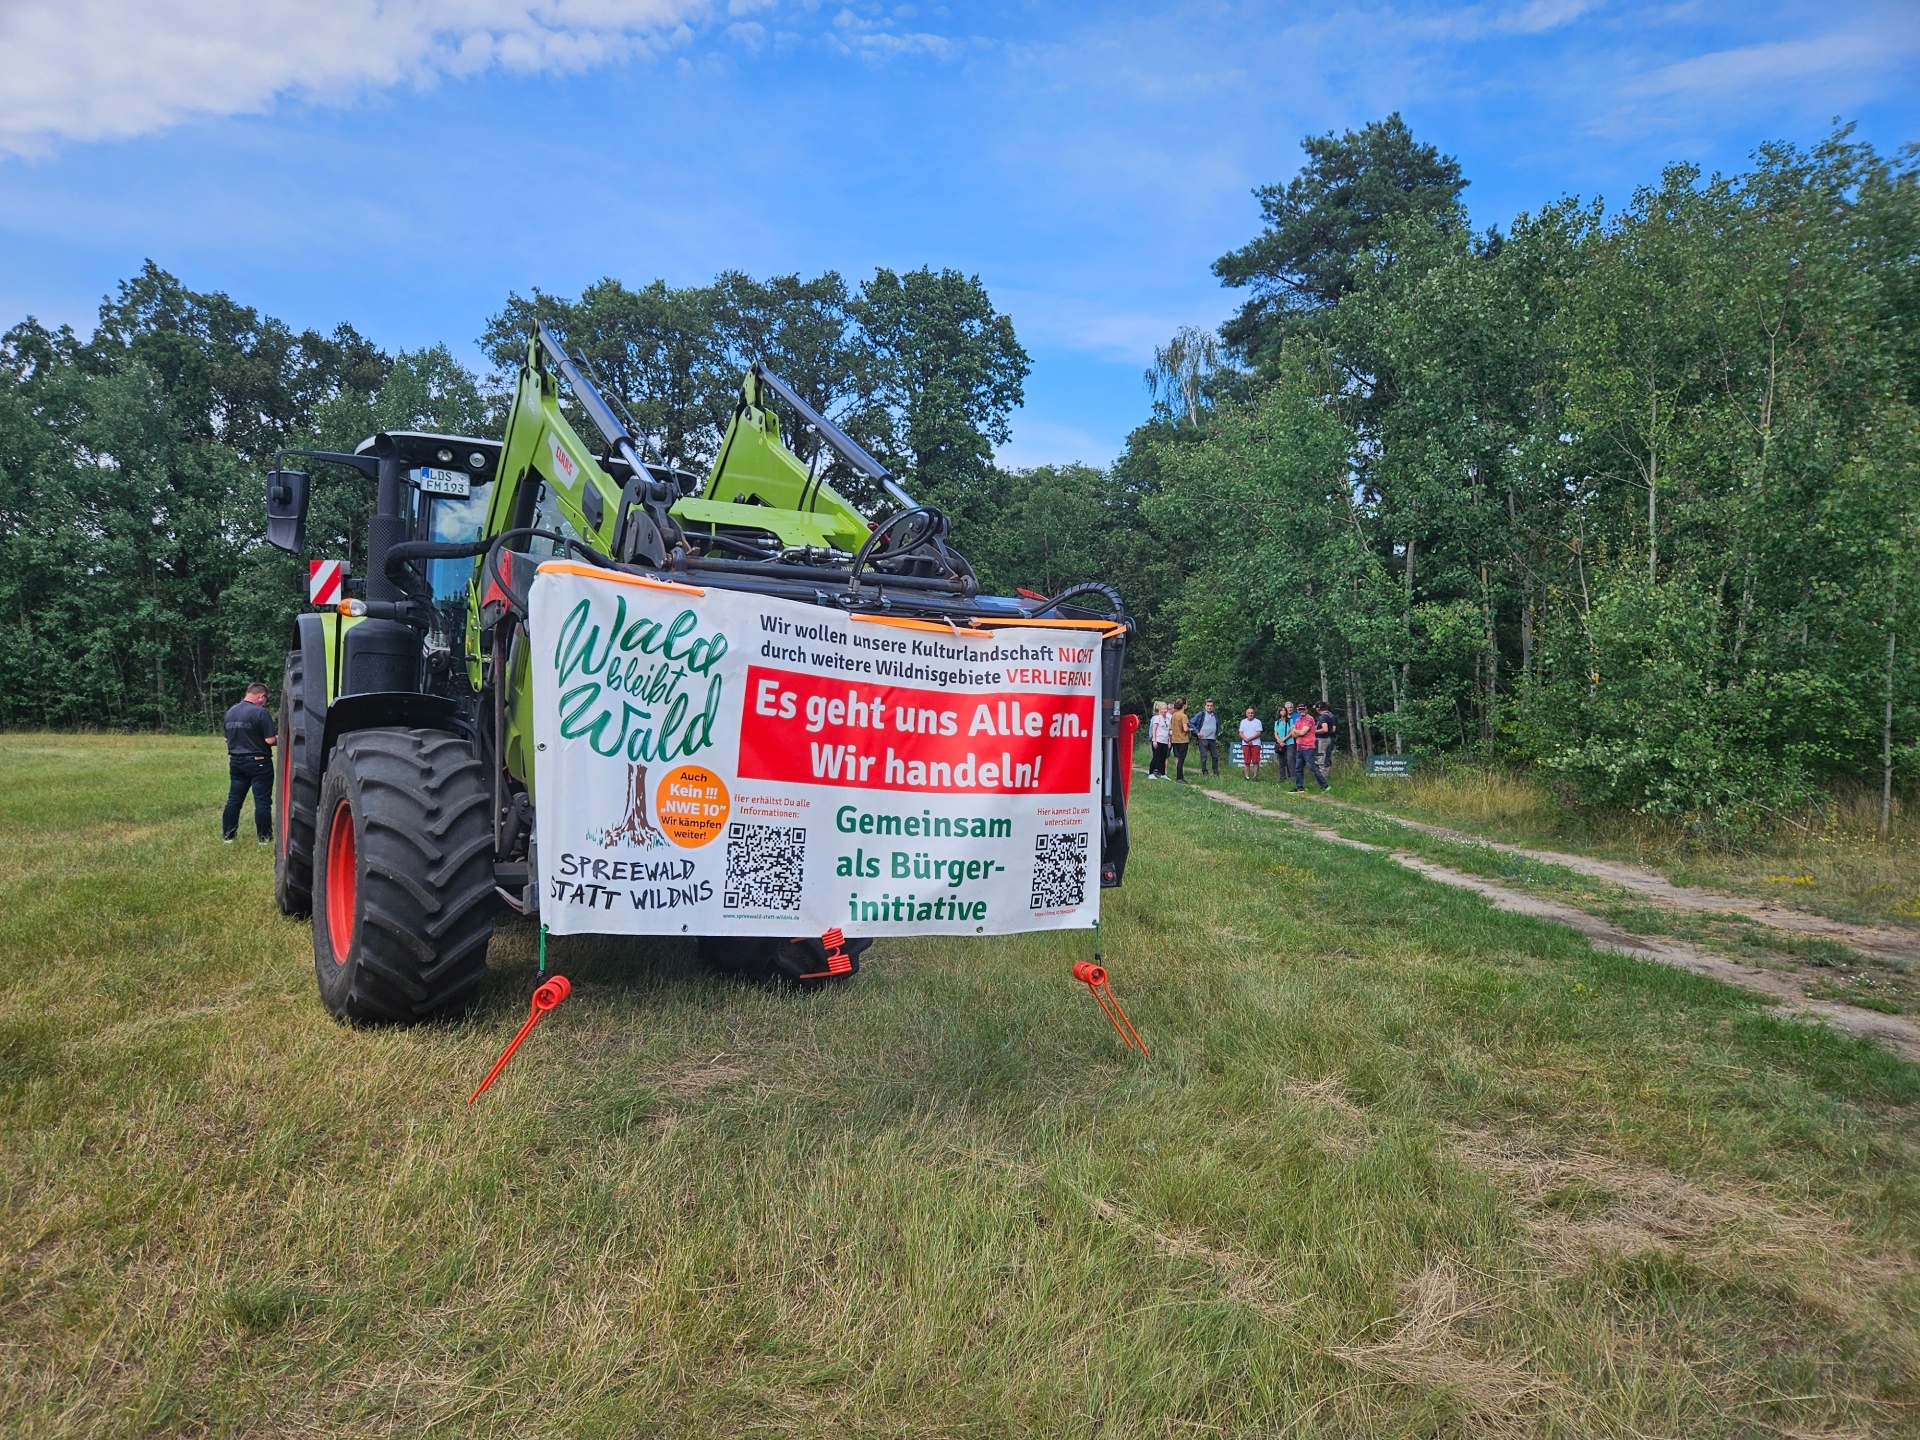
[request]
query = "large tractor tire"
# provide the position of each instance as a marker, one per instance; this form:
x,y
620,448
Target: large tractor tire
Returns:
x,y
296,796
403,877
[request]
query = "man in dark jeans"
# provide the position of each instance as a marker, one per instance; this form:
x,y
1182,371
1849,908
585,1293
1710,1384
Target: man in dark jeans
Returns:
x,y
1206,729
1326,730
250,738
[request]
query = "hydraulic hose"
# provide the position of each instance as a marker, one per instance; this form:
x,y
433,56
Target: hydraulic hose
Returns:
x,y
933,534
1091,587
491,566
407,551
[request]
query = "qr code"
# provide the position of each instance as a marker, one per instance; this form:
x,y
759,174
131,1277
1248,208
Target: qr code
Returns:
x,y
765,864
1059,870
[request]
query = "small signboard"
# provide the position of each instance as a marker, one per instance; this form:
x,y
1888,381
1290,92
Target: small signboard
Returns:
x,y
1400,765
326,579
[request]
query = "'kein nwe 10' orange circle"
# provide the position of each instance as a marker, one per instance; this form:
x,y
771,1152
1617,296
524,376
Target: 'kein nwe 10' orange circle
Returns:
x,y
692,805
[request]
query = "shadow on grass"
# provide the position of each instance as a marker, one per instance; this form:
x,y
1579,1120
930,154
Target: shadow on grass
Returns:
x,y
655,969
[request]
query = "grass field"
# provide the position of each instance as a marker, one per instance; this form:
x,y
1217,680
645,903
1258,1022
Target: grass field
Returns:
x,y
1401,1165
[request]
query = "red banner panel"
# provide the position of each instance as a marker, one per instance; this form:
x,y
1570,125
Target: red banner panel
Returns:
x,y
822,730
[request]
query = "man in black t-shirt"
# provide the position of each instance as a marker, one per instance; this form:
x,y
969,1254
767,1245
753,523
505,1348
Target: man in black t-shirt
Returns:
x,y
250,738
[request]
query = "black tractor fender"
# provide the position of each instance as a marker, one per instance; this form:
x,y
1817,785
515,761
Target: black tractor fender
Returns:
x,y
399,709
308,755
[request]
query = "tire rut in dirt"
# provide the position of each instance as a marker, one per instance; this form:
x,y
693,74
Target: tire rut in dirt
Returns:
x,y
296,796
418,906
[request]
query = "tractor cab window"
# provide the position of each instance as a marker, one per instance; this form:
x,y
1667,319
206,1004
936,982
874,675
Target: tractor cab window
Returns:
x,y
547,515
457,520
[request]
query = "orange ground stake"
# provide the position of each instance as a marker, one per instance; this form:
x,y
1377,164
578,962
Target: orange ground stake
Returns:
x,y
838,961
1094,977
544,999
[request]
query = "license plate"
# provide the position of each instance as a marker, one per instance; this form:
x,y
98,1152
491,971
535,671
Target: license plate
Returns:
x,y
443,482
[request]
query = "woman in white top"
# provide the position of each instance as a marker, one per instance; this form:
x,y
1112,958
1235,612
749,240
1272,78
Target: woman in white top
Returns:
x,y
1250,731
1160,733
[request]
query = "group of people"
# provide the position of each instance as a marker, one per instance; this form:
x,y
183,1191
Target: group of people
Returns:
x,y
1171,732
1302,742
1303,739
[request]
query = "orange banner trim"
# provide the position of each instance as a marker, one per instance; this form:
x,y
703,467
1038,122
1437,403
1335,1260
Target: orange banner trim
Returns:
x,y
1106,627
619,577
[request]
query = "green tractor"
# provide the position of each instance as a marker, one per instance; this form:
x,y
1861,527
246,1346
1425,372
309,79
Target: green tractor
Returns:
x,y
405,764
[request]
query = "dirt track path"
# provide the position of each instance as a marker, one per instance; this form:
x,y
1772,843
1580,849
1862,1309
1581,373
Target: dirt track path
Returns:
x,y
1896,1032
1881,941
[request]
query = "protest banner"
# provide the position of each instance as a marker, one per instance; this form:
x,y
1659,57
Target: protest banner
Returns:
x,y
709,762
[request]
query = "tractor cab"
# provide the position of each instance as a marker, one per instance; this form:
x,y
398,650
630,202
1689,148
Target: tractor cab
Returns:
x,y
450,485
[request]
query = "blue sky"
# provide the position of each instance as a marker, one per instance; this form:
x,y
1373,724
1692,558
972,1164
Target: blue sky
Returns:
x,y
404,164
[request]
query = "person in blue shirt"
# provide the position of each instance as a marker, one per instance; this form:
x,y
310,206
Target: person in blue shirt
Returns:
x,y
1206,729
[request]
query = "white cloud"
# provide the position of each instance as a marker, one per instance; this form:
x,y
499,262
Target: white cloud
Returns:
x,y
883,42
1097,327
1845,54
1544,15
108,69
1819,75
861,36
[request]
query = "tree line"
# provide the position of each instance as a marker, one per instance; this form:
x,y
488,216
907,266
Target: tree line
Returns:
x,y
1629,496
135,575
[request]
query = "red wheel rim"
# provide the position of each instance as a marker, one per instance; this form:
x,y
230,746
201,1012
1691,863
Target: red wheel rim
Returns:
x,y
342,877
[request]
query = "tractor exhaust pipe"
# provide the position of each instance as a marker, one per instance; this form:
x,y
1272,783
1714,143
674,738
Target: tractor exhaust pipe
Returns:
x,y
386,530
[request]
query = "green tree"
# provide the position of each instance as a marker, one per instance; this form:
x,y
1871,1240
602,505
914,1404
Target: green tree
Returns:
x,y
1321,223
1630,496
1284,603
656,352
948,371
132,494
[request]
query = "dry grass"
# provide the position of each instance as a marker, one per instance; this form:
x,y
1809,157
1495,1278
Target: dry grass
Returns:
x,y
1436,1343
1584,1208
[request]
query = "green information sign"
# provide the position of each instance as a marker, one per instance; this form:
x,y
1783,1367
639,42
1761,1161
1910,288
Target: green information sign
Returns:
x,y
1389,765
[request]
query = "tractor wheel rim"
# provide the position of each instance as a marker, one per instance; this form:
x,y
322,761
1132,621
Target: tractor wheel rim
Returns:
x,y
343,858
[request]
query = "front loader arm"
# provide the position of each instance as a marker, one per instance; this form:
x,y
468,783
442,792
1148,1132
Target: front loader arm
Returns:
x,y
541,446
758,484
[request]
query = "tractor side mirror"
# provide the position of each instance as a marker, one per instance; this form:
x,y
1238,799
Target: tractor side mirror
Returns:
x,y
287,494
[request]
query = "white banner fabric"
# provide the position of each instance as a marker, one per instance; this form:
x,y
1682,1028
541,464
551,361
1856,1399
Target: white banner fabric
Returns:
x,y
714,763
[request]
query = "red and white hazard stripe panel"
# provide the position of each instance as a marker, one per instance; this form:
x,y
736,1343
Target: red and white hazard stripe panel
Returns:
x,y
325,581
